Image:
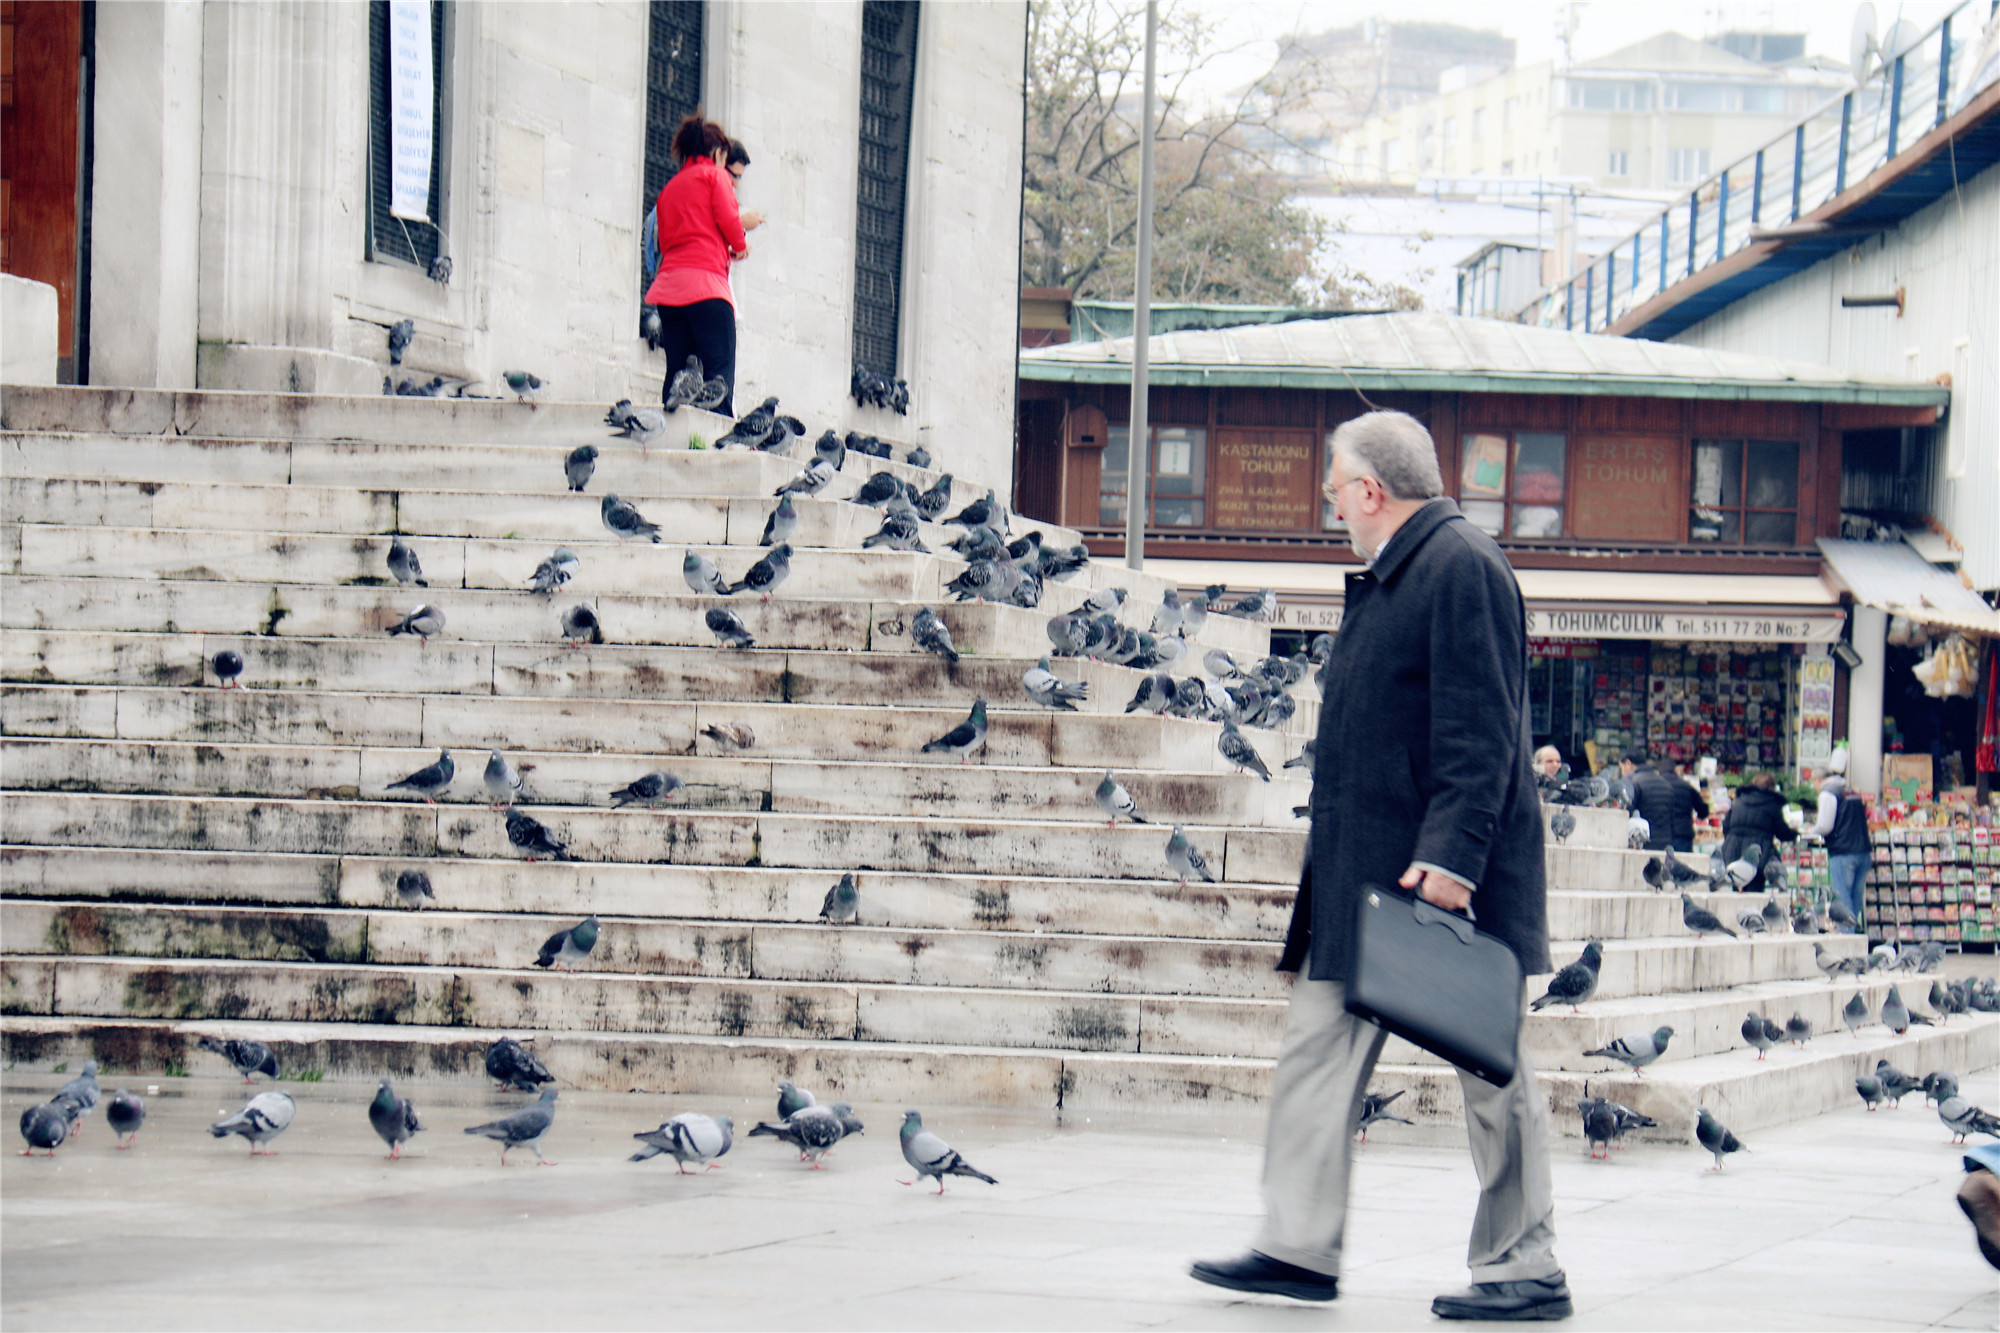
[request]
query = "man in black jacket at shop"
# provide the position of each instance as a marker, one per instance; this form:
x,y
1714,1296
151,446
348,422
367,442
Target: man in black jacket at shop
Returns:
x,y
1756,819
1668,806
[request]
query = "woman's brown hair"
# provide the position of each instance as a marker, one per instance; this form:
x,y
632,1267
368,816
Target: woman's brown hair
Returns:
x,y
698,138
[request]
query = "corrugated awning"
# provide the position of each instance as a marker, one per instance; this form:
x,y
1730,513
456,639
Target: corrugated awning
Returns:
x,y
1895,578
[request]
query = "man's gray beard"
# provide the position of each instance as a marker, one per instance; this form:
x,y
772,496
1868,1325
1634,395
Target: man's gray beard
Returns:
x,y
1354,542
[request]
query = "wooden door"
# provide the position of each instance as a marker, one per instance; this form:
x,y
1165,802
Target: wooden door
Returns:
x,y
41,163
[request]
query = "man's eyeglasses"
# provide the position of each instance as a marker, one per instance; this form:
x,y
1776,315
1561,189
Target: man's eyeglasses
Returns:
x,y
1332,492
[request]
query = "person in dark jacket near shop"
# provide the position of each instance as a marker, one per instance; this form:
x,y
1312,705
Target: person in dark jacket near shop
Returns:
x,y
1421,778
1668,805
1756,819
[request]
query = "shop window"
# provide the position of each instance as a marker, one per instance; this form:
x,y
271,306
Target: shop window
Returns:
x,y
1514,485
1178,462
1745,493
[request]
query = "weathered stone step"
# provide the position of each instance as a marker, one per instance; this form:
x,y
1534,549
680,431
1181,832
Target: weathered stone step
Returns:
x,y
1595,828
950,846
1677,962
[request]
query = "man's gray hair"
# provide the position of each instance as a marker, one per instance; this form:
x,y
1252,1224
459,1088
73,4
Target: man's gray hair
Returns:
x,y
1395,449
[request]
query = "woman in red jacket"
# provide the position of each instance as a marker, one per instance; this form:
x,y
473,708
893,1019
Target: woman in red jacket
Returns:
x,y
700,232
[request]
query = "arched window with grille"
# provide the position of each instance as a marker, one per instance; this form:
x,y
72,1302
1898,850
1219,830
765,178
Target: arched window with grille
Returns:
x,y
888,84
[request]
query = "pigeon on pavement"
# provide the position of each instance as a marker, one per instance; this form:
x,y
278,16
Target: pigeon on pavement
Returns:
x,y
1374,1110
125,1114
1575,984
1702,921
46,1126
725,626
1854,1014
1051,691
1186,860
811,1129
792,1099
767,575
1636,1050
423,621
1238,751
653,791
1715,1136
503,780
84,1092
1961,1117
533,837
1937,1085
525,1126
1870,1089
413,889
1600,1126
249,1057
932,635
569,947
782,523
553,572
843,901
403,563
1757,1031
513,1065
964,738
266,1116
689,1137
1114,800
579,466
228,665
624,522
394,1118
1896,1085
702,577
932,1156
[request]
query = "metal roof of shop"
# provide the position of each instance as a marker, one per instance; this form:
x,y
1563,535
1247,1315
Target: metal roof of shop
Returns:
x,y
1414,351
1894,577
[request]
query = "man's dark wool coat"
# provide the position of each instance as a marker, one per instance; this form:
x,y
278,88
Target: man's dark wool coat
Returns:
x,y
1423,750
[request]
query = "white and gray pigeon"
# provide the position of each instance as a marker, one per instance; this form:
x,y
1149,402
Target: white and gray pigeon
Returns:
x,y
1575,984
1220,664
932,1156
1155,694
579,466
1237,749
1636,1050
503,780
843,902
624,522
393,1118
701,575
526,387
767,575
555,571
1186,860
431,781
569,947
932,635
816,477
413,889
900,531
1105,601
647,426
1168,616
248,1057
781,524
1961,1117
425,621
84,1092
964,738
1304,758
689,1137
580,625
125,1114
266,1116
726,627
1114,800
403,563
1715,1137
813,1130
685,386
1050,690
526,1126
653,790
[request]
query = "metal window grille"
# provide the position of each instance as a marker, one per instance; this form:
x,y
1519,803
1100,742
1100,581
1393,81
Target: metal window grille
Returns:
x,y
888,84
673,86
391,237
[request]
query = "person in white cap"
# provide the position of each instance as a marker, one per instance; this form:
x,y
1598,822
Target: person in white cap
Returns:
x,y
1843,822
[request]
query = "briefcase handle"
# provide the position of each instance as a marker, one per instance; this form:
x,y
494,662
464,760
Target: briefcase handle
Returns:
x,y
1430,914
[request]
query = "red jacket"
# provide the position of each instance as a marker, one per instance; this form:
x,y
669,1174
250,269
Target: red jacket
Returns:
x,y
698,231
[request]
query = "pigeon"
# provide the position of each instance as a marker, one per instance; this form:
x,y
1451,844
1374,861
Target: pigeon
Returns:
x,y
1374,1110
1305,758
1870,1089
701,574
936,500
513,1065
1636,1050
766,576
1757,1030
534,838
1937,1086
1114,800
1773,1034
843,902
931,635
422,621
653,791
1961,1117
685,386
1051,691
125,1114
580,626
782,523
647,426
1562,823
503,780
1702,921
553,572
987,580
430,781
918,457
725,626
1600,1126
525,387
899,532
394,1118
981,513
1105,601
1168,618
1194,614
1896,1015
1835,966
730,735
1220,664
878,490
83,1091
412,888
1575,984
622,521
1798,1029
400,334
1262,605
614,417
403,563
582,461
1774,917
810,1129
525,1126
1185,859
1240,752
228,666
816,477
832,450
753,427
1715,1137
566,948
45,1126
1842,917
1854,1014
1154,695
689,1137
1893,1082
977,544
964,738
713,391
249,1057
266,1116
792,1099
1750,923
932,1156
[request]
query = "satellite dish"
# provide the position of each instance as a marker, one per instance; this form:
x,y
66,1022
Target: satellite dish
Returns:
x,y
1861,45
1902,35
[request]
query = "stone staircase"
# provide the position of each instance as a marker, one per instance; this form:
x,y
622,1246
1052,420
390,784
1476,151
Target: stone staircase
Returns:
x,y
181,860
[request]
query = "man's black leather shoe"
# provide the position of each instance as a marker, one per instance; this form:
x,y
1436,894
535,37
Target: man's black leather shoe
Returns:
x,y
1537,1298
1261,1273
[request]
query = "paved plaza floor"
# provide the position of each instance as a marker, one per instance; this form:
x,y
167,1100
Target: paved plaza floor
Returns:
x,y
1846,1221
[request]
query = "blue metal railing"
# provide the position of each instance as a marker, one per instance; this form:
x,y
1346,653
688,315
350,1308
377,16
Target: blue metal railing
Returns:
x,y
1811,162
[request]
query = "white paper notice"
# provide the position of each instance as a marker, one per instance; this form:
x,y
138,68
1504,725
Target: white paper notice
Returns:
x,y
410,109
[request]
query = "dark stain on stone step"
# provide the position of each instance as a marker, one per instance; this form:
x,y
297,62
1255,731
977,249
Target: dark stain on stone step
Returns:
x,y
1091,1029
990,907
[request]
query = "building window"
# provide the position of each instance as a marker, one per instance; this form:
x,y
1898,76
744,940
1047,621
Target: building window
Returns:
x,y
1392,154
1685,166
1702,97
1178,462
1621,163
1451,130
409,240
1604,96
1513,484
1745,492
1507,110
1478,123
1763,101
888,83
673,85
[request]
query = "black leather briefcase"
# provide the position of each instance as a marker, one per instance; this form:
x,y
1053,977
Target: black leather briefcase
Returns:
x,y
1437,981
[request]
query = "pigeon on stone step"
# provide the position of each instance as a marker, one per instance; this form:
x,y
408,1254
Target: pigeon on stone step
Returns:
x,y
1374,1110
228,666
266,1116
689,1137
811,1129
1870,1089
1715,1137
400,334
1636,1050
1702,921
1194,614
1304,758
533,837
653,790
685,386
403,563
1835,966
553,572
1805,921
977,544
625,522
816,477
581,626
125,1114
936,500
1562,823
423,621
647,427
1600,1126
513,1065
569,947
793,1099
1114,800
1854,1014
1050,691
248,1057
1761,1033
1186,860
754,427
579,466
526,387
1798,1029
713,391
919,457
1838,912
1260,605
931,635
1237,750
1774,917
932,1156
843,902
1154,695
726,627
701,575
526,1126
964,738
615,415
981,513
394,1118
1895,1014
1168,617
899,532
503,780
413,889
730,736
1577,983
83,1091
879,489
987,580
781,524
431,781
1750,923
1961,1117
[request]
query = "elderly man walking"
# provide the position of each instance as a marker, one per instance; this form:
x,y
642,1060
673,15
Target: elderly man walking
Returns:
x,y
1422,778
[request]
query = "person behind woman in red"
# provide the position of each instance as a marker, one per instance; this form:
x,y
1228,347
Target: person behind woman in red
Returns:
x,y
700,231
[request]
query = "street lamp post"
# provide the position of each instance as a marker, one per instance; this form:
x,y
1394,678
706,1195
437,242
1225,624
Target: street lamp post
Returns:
x,y
1137,468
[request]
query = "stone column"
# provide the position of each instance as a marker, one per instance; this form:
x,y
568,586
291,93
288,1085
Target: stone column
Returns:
x,y
1864,699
